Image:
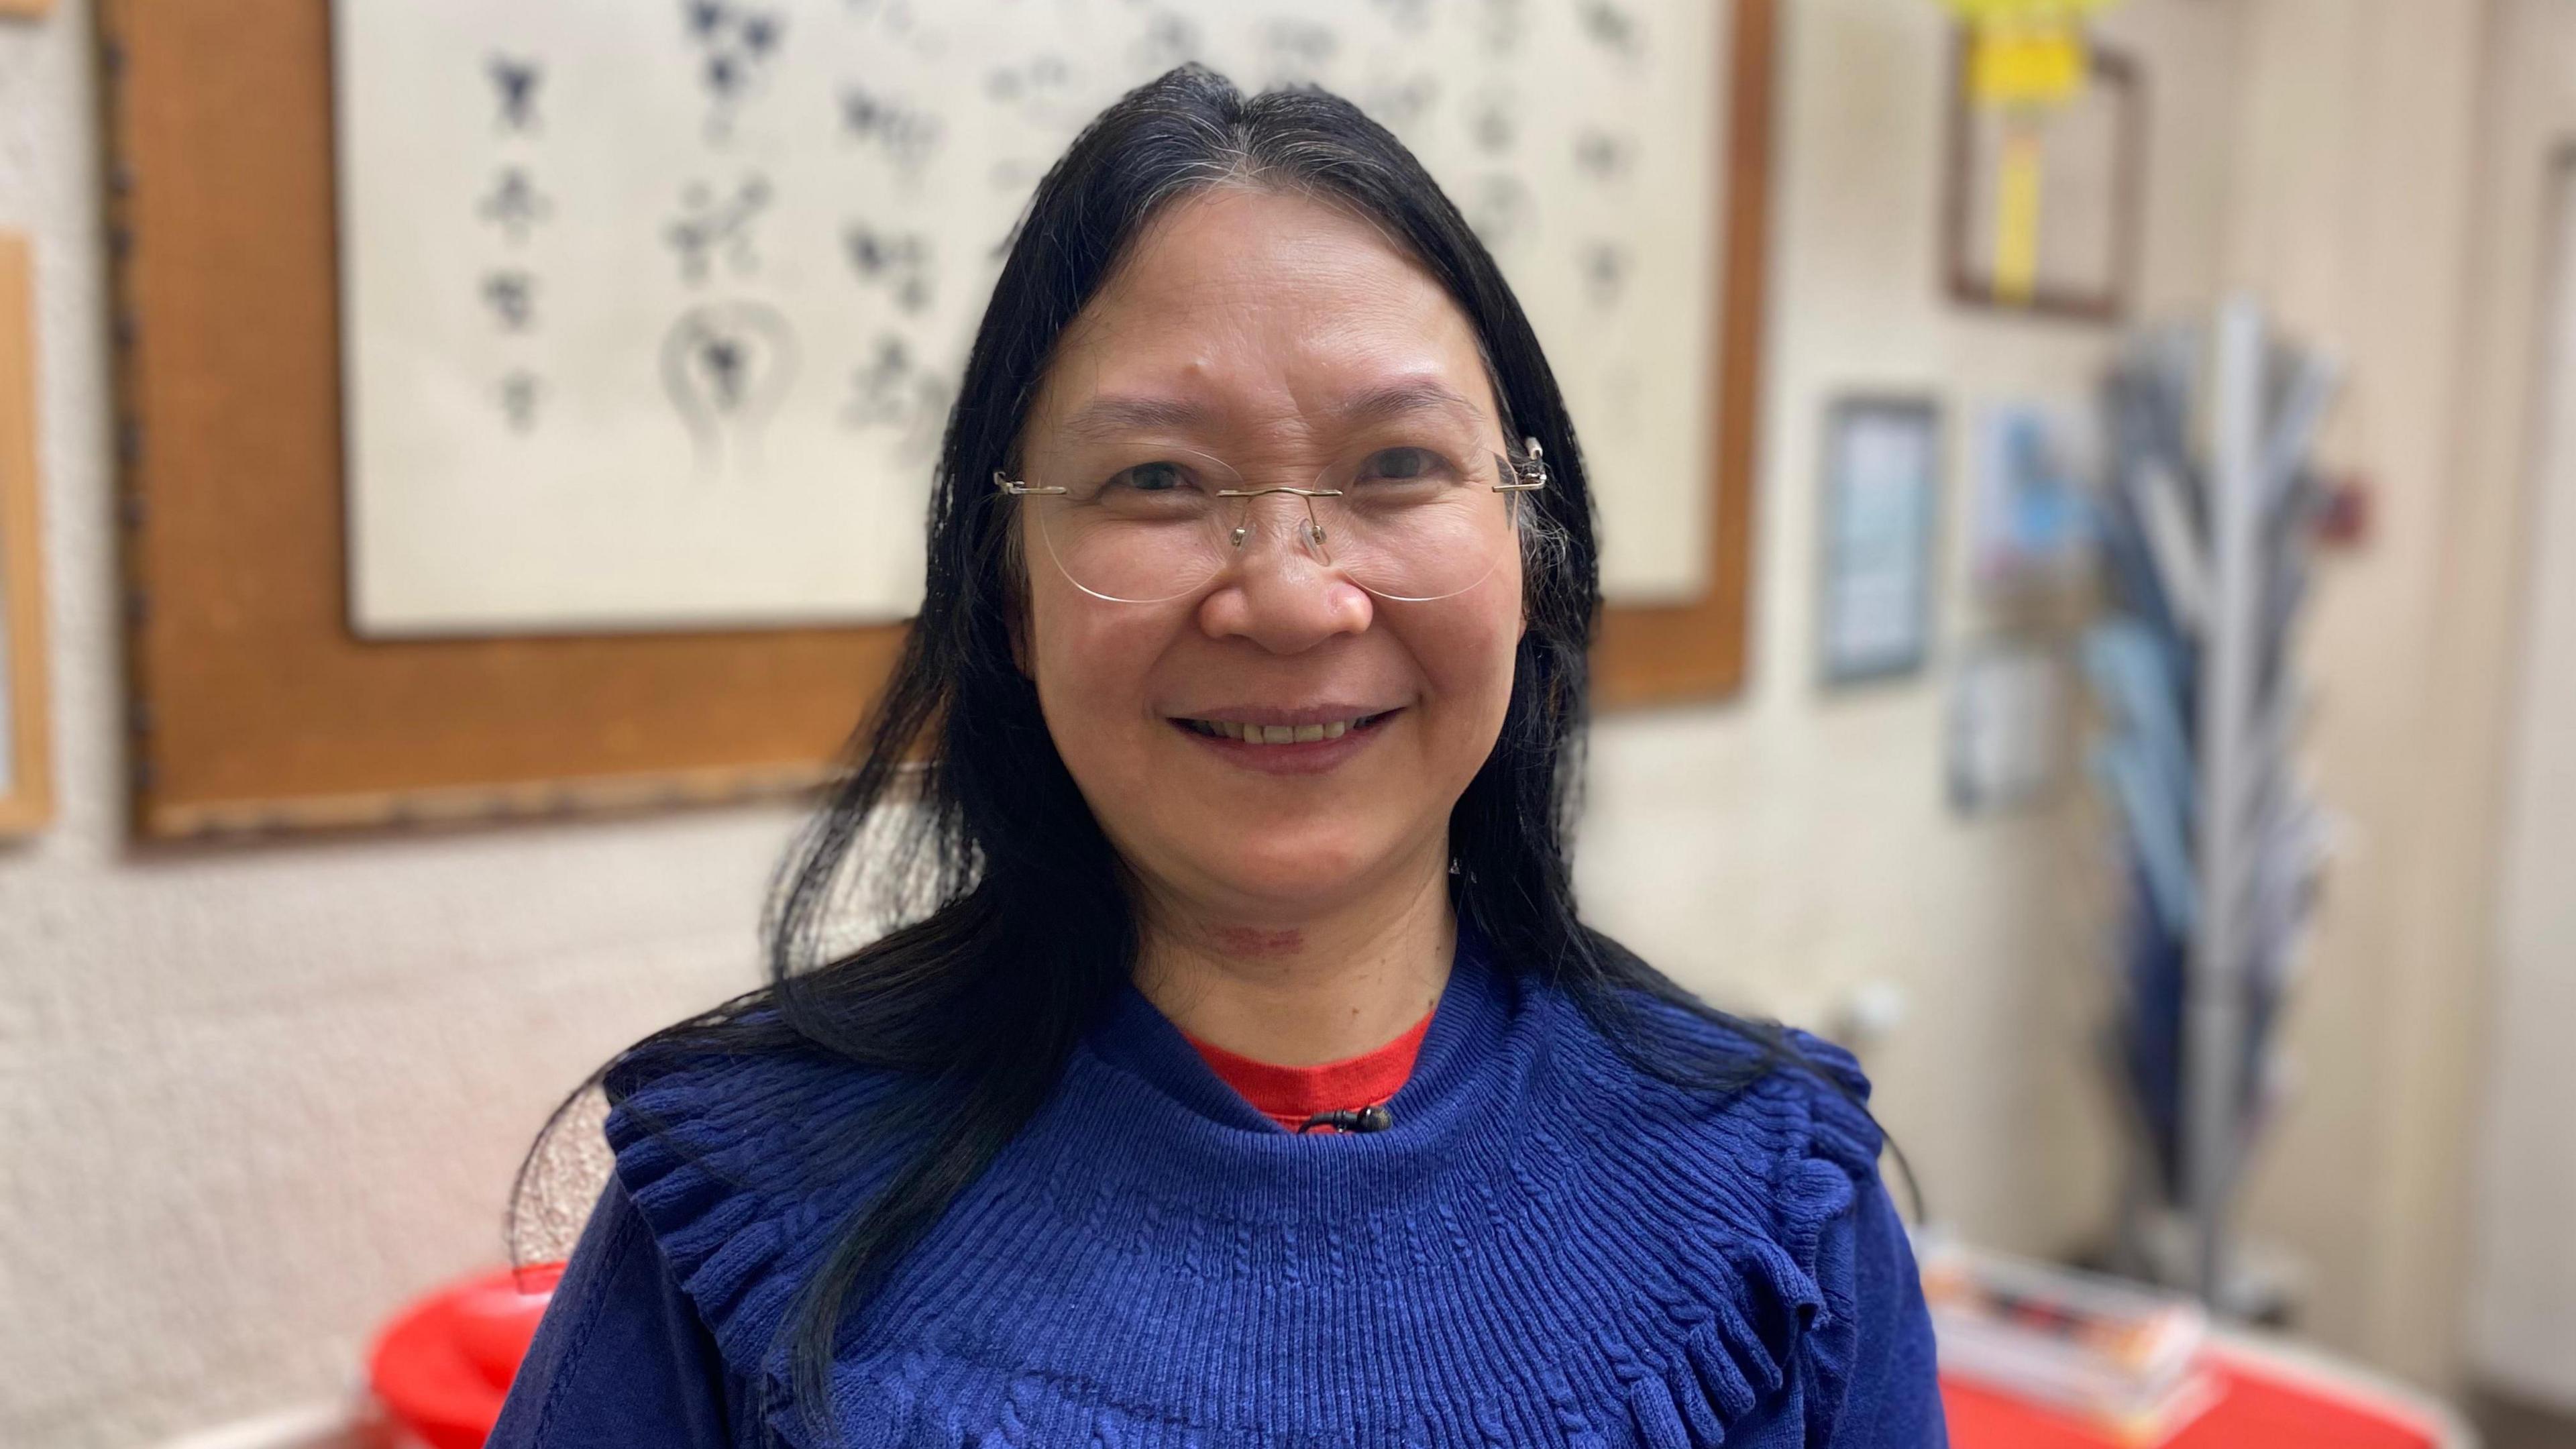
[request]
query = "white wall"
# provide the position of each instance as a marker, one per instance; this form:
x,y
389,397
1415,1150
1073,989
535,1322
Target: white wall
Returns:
x,y
1785,848
2522,1307
2523,1313
253,1097
2387,202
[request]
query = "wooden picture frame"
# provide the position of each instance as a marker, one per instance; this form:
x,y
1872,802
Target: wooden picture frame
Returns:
x,y
26,768
253,708
1695,651
2113,115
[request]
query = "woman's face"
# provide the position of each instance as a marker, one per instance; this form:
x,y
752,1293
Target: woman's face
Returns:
x,y
1282,337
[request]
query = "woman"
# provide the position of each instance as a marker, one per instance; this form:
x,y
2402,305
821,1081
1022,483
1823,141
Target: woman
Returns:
x,y
1240,1072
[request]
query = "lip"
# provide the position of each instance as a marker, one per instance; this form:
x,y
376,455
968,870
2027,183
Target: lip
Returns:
x,y
1309,757
1323,713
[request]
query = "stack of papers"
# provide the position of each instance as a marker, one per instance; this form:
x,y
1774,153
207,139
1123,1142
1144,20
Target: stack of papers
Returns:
x,y
2125,1359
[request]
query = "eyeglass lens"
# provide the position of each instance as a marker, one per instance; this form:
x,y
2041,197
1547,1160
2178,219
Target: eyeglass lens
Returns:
x,y
1406,522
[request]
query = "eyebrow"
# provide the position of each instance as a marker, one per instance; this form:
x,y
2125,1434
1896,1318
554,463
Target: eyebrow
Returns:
x,y
1403,399
1111,417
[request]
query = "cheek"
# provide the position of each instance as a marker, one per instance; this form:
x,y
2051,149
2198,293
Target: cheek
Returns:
x,y
1091,667
1468,648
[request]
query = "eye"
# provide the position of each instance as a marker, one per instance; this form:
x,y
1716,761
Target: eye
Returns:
x,y
1162,477
1403,465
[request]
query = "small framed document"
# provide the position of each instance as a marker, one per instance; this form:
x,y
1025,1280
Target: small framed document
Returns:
x,y
1882,473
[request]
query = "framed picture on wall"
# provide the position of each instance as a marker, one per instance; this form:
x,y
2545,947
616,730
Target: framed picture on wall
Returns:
x,y
372,576
684,361
1882,476
2084,220
26,765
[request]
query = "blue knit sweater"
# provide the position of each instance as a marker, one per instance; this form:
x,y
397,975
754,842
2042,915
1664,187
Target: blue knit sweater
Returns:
x,y
1546,1248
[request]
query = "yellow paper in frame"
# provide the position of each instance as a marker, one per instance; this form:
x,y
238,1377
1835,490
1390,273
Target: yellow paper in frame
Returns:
x,y
2027,57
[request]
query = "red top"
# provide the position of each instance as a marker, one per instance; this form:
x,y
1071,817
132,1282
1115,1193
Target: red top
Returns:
x,y
1290,1095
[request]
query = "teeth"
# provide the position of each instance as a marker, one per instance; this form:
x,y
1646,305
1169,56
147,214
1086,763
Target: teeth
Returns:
x,y
1253,734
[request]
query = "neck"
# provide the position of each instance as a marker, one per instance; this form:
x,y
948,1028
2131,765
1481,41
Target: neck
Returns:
x,y
1299,988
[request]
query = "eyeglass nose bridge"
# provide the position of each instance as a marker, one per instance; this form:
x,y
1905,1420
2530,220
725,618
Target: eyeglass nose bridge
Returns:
x,y
1315,532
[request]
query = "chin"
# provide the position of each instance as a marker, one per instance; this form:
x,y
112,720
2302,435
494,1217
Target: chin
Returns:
x,y
1294,866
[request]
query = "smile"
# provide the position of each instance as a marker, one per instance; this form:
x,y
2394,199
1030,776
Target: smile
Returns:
x,y
1280,734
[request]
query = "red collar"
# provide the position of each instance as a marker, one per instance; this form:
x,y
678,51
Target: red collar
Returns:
x,y
1290,1095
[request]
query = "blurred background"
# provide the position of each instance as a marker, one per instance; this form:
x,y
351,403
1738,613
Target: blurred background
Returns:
x,y
2127,690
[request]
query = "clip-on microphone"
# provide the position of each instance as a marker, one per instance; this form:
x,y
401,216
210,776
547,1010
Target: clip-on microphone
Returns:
x,y
1360,1119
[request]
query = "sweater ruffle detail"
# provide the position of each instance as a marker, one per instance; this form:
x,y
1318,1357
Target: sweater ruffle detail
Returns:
x,y
1787,1319
1615,1261
739,1222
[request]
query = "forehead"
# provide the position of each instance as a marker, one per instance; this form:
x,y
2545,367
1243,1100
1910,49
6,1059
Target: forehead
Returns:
x,y
1257,303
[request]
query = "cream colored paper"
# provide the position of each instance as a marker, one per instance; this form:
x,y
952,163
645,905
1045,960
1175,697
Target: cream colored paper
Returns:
x,y
653,310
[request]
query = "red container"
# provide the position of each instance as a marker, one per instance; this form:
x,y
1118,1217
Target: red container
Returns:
x,y
442,1367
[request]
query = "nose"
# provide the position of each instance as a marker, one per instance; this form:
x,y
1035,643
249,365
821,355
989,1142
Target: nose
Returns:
x,y
1278,589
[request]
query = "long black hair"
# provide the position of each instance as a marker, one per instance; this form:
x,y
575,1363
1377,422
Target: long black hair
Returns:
x,y
957,824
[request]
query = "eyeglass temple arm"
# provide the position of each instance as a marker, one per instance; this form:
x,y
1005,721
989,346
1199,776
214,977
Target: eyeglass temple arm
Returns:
x,y
1530,473
1018,489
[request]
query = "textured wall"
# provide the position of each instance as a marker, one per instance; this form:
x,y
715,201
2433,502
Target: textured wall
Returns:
x,y
249,1099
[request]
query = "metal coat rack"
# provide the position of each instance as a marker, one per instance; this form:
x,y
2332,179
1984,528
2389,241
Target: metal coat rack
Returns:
x,y
2206,537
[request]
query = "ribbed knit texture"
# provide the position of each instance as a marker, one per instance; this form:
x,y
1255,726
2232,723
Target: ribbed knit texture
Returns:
x,y
1548,1247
